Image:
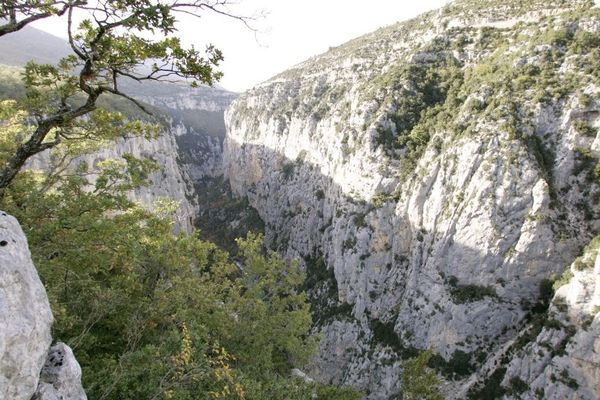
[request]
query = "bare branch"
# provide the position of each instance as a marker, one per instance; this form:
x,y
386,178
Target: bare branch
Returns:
x,y
31,13
134,101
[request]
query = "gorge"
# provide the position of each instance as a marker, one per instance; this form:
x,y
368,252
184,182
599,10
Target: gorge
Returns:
x,y
438,180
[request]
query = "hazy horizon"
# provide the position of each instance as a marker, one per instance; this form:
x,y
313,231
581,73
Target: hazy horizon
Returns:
x,y
287,35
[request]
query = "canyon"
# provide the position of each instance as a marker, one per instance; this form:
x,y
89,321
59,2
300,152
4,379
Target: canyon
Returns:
x,y
438,180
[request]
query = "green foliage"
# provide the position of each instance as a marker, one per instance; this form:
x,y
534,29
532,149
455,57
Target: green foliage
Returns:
x,y
563,280
517,386
381,198
149,313
469,293
384,334
322,290
359,220
288,170
491,389
546,292
586,164
349,244
584,128
416,91
459,364
418,381
224,217
124,296
543,156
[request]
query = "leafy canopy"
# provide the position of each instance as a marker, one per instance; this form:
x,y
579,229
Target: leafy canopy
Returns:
x,y
419,382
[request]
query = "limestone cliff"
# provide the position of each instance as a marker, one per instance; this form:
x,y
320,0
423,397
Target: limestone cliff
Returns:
x,y
29,368
196,118
563,361
433,175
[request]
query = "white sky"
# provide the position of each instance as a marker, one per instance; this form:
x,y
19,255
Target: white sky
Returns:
x,y
290,32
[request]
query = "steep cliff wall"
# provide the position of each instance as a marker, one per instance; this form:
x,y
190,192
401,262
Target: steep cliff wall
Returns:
x,y
433,175
196,115
563,361
189,149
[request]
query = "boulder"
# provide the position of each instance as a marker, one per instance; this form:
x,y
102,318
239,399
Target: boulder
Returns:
x,y
25,316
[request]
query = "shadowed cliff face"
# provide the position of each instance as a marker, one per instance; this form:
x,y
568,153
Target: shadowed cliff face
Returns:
x,y
441,170
383,288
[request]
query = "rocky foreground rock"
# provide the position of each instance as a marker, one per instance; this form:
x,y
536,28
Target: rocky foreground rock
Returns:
x,y
29,367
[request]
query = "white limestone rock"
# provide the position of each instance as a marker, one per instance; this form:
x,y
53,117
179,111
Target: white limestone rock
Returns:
x,y
25,316
61,376
564,360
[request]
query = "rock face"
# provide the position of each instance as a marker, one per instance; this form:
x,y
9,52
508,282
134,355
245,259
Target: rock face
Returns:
x,y
28,368
190,148
25,316
197,123
433,175
563,362
60,378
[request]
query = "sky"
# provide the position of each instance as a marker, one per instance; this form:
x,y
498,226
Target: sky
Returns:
x,y
285,32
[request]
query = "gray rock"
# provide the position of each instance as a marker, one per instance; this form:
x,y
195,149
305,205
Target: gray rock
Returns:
x,y
25,316
61,376
563,362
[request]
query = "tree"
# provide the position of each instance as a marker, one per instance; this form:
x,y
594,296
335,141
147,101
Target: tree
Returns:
x,y
117,39
17,14
152,315
418,381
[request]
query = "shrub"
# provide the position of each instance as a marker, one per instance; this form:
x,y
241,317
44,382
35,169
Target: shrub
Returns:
x,y
418,381
458,365
584,128
288,170
469,293
517,385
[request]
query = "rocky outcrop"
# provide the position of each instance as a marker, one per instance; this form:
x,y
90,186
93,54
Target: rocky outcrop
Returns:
x,y
440,171
25,316
25,322
60,378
